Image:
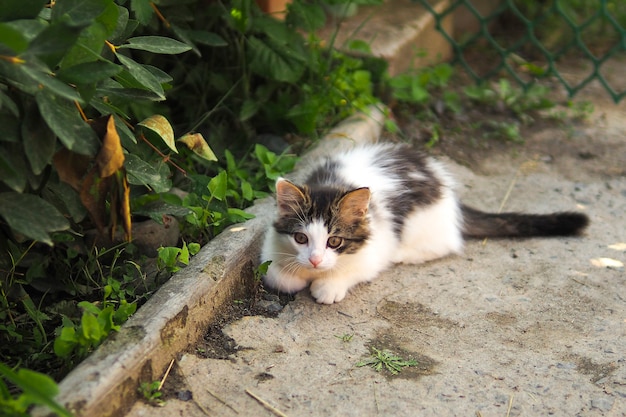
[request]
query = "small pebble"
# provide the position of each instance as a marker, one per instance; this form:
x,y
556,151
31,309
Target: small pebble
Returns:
x,y
184,395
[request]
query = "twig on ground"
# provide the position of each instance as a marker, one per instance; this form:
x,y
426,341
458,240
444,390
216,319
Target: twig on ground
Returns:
x,y
266,404
169,368
221,401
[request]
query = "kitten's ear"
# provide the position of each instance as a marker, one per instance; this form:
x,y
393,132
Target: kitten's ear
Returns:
x,y
353,206
288,197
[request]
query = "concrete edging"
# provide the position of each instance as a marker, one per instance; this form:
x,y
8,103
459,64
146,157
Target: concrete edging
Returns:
x,y
178,314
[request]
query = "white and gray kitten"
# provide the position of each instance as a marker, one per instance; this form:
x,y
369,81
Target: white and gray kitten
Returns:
x,y
363,209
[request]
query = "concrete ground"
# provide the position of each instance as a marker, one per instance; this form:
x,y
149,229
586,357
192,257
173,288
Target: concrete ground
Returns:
x,y
510,328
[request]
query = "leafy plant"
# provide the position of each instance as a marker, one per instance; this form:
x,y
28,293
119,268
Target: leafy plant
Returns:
x,y
385,359
95,325
36,389
171,258
151,393
346,337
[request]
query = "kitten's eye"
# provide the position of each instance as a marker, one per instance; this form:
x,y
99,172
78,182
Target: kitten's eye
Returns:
x,y
300,238
334,242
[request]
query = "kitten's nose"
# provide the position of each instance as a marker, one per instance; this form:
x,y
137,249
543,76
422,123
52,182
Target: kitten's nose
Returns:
x,y
315,260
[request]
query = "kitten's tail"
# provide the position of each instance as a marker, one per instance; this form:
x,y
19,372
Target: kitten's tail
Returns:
x,y
479,224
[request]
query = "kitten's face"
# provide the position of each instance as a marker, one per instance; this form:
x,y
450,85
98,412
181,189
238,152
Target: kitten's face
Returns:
x,y
323,224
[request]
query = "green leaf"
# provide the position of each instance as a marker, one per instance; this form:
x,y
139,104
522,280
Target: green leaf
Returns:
x,y
142,9
359,45
13,167
8,103
65,343
246,191
55,86
90,43
161,76
78,12
275,61
89,72
309,17
31,216
218,185
20,9
157,44
13,38
39,140
183,35
91,329
249,108
65,121
207,38
52,43
142,75
89,307
124,311
142,173
236,215
105,319
120,24
38,388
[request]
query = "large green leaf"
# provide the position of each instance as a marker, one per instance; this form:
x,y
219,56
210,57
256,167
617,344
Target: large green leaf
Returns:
x,y
52,43
143,10
157,44
89,72
38,388
142,173
219,185
12,38
55,86
142,75
31,216
274,61
38,140
20,9
307,16
65,121
78,12
206,38
91,40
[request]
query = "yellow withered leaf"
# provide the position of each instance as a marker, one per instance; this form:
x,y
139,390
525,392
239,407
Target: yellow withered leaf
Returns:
x,y
197,143
110,159
162,128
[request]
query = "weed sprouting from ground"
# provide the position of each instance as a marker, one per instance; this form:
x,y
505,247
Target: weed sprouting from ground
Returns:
x,y
385,359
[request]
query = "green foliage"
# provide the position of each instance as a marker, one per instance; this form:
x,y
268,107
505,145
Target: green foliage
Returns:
x,y
385,359
172,258
504,95
36,389
261,270
88,144
150,391
95,325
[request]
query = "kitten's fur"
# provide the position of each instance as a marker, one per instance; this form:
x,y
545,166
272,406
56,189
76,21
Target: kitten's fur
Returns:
x,y
363,209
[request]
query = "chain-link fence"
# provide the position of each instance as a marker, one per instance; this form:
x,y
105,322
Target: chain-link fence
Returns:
x,y
538,39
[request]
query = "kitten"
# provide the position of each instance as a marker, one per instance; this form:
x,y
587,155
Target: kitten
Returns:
x,y
363,209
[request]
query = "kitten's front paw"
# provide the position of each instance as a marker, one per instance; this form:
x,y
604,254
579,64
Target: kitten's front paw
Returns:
x,y
283,282
327,292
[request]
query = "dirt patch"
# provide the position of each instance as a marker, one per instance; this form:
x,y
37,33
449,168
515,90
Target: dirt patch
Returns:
x,y
596,371
258,302
412,314
388,341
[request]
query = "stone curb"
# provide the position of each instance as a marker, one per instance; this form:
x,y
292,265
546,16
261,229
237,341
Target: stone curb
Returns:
x,y
178,314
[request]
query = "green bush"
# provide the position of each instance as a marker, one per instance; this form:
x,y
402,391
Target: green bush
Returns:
x,y
88,143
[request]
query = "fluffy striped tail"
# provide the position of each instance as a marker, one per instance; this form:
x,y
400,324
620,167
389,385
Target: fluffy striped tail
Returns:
x,y
479,224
